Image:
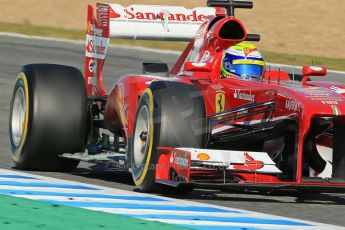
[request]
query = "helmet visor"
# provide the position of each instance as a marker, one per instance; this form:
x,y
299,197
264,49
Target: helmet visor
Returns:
x,y
246,68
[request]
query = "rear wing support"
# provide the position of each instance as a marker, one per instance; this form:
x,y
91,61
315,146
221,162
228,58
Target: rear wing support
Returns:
x,y
230,5
97,42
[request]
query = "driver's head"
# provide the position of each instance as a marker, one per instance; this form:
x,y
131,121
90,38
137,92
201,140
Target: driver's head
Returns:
x,y
243,60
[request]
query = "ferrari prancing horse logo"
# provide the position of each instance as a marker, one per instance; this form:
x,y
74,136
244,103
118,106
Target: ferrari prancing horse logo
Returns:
x,y
220,101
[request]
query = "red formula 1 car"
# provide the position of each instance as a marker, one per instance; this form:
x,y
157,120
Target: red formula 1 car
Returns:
x,y
186,126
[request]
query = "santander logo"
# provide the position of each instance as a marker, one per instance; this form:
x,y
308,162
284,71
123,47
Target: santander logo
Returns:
x,y
132,14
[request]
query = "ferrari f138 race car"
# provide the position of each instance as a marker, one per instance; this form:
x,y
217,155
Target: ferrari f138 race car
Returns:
x,y
188,126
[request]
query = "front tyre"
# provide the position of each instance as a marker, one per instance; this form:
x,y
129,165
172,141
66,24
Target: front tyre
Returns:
x,y
48,117
169,114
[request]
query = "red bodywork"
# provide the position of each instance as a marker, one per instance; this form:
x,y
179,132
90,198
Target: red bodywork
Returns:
x,y
297,105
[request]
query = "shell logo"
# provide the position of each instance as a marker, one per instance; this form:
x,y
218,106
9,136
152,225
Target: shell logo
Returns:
x,y
203,156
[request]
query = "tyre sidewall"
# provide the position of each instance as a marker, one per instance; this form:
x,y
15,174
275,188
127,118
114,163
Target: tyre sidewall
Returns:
x,y
57,121
17,151
178,119
143,176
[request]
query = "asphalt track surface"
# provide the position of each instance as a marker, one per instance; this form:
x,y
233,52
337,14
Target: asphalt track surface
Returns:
x,y
16,52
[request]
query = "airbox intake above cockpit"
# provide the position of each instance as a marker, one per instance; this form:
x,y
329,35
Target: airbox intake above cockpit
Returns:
x,y
231,29
227,31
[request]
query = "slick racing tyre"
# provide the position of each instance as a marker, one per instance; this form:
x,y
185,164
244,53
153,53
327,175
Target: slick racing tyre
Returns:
x,y
48,117
169,114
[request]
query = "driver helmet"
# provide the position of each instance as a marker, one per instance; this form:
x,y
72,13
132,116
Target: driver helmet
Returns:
x,y
243,60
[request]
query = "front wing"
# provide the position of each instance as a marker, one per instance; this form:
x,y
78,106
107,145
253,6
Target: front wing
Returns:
x,y
233,170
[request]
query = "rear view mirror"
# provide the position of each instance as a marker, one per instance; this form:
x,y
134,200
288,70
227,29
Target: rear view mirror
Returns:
x,y
198,66
313,71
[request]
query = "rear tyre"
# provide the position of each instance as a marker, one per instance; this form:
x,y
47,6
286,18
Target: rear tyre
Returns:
x,y
169,114
48,117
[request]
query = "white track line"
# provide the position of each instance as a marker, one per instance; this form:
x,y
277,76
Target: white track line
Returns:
x,y
139,48
87,199
169,212
220,224
38,189
169,202
21,180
